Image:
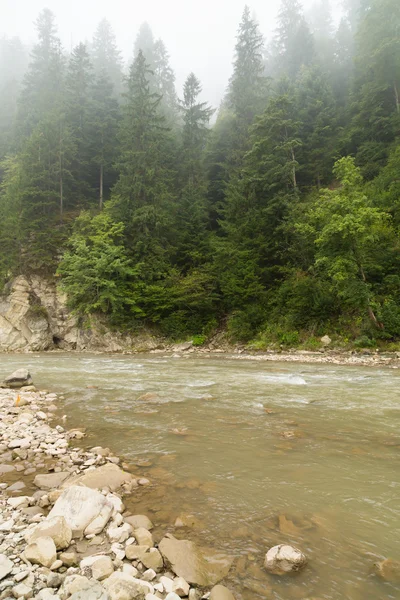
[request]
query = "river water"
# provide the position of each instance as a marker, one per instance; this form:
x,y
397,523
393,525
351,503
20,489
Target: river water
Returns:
x,y
250,454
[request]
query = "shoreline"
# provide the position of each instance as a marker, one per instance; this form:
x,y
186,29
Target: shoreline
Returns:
x,y
327,357
54,544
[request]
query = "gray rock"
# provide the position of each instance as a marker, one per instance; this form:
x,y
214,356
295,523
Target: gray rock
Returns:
x,y
50,480
76,587
18,379
200,566
108,475
283,559
121,586
6,566
85,510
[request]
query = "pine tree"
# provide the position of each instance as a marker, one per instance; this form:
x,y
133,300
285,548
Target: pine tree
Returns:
x,y
164,82
294,44
78,109
103,134
246,94
142,197
43,83
105,55
192,212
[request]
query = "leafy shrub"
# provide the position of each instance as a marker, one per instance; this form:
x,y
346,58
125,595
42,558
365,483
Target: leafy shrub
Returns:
x,y
199,340
364,342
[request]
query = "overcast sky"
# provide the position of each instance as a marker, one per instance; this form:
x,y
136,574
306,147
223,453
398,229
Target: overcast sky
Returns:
x,y
200,36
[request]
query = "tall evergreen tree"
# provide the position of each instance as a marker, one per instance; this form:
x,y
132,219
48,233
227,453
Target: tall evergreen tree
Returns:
x,y
246,93
294,44
192,213
103,135
164,81
43,83
78,108
106,57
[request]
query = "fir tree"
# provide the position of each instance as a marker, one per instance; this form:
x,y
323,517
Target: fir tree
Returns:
x,y
105,55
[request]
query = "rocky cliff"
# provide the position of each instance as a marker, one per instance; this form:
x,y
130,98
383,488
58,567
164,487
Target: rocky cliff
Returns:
x,y
34,317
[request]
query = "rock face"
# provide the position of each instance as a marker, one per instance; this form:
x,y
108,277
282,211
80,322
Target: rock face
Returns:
x,y
282,559
108,476
34,317
196,565
85,510
18,379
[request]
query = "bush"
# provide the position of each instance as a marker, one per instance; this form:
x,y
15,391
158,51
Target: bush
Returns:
x,y
199,340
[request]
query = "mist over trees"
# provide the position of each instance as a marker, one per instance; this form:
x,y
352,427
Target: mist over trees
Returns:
x,y
276,216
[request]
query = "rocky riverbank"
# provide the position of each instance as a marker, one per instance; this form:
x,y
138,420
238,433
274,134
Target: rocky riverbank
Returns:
x,y
64,530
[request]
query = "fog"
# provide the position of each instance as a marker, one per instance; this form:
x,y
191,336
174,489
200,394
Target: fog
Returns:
x,y
200,37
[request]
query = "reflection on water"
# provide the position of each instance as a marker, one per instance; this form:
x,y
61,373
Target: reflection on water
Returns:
x,y
245,455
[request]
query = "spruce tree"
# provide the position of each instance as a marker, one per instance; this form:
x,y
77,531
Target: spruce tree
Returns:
x,y
247,85
78,109
106,57
294,44
43,83
164,82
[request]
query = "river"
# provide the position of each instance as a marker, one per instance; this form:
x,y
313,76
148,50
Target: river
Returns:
x,y
251,454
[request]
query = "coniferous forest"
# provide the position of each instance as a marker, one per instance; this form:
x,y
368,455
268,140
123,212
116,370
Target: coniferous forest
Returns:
x,y
275,217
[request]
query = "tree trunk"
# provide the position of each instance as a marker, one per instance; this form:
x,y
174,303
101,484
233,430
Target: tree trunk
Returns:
x,y
101,188
371,313
61,181
396,95
294,170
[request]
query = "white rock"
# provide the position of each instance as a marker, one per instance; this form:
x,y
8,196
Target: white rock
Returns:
x,y
85,510
119,534
55,527
100,565
121,586
143,537
6,566
172,596
168,584
76,587
181,587
284,559
149,575
129,570
42,552
19,501
41,415
22,591
47,594
7,525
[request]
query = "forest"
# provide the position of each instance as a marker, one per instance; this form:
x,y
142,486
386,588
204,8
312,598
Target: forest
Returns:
x,y
274,218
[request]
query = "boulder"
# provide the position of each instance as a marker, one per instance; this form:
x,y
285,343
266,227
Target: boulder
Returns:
x,y
143,537
18,379
388,569
85,510
41,552
152,559
108,475
6,566
121,586
76,587
50,481
138,521
220,592
55,527
134,552
22,591
101,566
199,566
283,559
326,340
181,587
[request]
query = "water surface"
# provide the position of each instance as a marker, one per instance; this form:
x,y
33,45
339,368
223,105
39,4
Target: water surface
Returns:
x,y
257,453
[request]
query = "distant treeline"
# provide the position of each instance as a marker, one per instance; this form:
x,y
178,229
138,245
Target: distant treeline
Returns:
x,y
281,221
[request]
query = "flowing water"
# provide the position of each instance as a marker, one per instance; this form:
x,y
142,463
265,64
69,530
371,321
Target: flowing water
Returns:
x,y
251,454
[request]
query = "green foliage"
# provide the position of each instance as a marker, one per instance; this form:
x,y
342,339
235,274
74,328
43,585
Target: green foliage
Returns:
x,y
95,272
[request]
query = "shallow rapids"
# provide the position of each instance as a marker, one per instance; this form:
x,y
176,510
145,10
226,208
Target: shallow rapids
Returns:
x,y
251,454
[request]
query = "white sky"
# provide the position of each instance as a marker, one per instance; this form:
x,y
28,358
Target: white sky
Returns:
x,y
199,35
